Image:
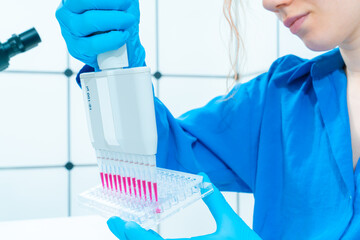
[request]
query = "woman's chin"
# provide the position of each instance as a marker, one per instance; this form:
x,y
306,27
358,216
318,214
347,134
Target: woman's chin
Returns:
x,y
319,44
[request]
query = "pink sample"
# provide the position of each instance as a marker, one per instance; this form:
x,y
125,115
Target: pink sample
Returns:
x,y
155,191
144,187
102,179
150,190
111,183
115,182
107,180
129,182
119,180
124,183
134,185
139,187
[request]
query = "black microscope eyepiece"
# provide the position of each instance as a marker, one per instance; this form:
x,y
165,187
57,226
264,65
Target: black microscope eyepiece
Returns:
x,y
17,44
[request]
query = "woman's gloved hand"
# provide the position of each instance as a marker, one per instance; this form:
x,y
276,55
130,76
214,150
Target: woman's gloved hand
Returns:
x,y
229,224
91,27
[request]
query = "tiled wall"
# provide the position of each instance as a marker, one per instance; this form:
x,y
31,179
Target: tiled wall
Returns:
x,y
46,158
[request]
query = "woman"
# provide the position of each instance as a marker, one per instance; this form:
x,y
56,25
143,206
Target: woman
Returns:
x,y
290,136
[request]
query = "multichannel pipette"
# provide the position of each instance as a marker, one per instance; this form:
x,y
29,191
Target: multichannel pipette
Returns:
x,y
121,119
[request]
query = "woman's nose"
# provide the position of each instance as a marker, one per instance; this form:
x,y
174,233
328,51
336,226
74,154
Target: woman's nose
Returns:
x,y
275,5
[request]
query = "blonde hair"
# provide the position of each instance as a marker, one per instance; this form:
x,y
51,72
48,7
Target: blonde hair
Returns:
x,y
230,10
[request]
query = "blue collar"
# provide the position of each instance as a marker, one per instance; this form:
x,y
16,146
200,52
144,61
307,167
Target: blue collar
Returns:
x,y
327,63
319,66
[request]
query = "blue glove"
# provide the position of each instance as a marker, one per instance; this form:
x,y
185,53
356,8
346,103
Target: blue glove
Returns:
x,y
92,27
229,224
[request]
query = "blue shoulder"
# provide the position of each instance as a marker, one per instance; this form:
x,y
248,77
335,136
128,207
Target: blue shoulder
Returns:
x,y
289,67
282,71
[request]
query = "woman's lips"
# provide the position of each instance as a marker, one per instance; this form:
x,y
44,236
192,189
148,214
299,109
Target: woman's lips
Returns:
x,y
294,23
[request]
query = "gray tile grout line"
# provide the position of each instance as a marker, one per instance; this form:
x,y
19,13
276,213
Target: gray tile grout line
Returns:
x,y
69,195
157,81
238,204
68,59
68,133
157,33
157,86
45,167
163,75
31,167
86,165
277,38
208,76
158,228
33,72
193,76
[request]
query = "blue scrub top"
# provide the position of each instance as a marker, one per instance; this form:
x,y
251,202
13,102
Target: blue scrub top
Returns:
x,y
283,136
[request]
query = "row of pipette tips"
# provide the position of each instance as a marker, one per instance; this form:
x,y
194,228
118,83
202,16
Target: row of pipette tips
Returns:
x,y
128,174
131,186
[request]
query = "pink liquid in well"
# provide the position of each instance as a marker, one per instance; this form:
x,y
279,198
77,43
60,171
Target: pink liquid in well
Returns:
x,y
150,191
139,187
129,183
107,180
119,180
134,185
155,191
111,183
115,182
124,183
144,187
102,179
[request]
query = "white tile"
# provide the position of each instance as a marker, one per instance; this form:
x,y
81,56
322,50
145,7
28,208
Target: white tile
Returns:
x,y
21,15
88,227
82,179
231,198
29,194
247,208
192,37
195,40
147,31
258,31
248,77
183,94
33,126
156,85
291,44
81,151
192,221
